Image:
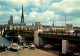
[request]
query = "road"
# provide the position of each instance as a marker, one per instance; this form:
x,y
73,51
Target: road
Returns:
x,y
27,52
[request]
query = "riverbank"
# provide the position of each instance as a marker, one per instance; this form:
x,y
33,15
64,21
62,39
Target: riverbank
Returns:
x,y
27,52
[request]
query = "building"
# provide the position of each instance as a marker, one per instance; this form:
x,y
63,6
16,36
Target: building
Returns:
x,y
69,28
14,26
22,26
46,27
58,28
53,24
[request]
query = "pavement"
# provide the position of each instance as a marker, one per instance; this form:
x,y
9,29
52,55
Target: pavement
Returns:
x,y
27,52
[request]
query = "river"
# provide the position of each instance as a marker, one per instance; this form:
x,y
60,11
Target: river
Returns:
x,y
4,40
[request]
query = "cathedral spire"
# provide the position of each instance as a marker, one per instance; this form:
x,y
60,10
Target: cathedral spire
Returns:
x,y
53,24
22,16
22,10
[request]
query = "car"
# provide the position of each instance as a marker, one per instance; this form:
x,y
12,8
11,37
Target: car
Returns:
x,y
25,45
14,46
32,47
48,46
76,53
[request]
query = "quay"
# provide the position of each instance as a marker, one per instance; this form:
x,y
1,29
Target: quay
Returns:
x,y
27,52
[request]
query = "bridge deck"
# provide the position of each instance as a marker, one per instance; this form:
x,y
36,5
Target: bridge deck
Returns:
x,y
66,36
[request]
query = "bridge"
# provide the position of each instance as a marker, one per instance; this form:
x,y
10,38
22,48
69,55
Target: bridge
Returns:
x,y
65,36
20,35
41,38
55,35
13,35
64,40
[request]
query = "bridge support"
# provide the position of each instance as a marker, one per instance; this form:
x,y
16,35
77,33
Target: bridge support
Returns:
x,y
2,30
20,38
65,46
37,40
40,41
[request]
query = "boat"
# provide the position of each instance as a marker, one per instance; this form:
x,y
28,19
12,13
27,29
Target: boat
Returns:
x,y
14,46
3,47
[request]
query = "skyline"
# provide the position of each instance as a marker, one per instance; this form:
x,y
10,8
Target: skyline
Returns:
x,y
45,11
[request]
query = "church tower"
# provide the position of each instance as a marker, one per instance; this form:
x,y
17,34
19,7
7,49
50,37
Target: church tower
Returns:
x,y
11,20
22,16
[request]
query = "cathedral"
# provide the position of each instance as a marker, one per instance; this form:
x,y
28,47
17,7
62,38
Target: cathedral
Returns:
x,y
21,25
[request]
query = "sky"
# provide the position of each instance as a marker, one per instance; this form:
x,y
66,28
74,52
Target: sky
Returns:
x,y
44,11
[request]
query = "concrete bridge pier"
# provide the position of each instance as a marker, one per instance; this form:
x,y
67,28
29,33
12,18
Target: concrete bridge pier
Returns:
x,y
41,41
65,46
20,38
36,38
38,41
2,30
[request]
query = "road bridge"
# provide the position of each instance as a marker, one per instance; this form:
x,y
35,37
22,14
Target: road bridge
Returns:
x,y
65,40
64,36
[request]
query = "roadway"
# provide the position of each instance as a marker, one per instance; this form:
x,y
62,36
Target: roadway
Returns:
x,y
70,34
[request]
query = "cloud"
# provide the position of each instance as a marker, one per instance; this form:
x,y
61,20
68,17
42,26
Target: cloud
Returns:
x,y
75,13
40,16
1,13
75,22
45,11
16,15
0,6
2,21
68,8
67,5
16,18
45,17
25,2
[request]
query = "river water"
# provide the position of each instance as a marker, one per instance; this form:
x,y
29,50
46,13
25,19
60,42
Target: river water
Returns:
x,y
4,40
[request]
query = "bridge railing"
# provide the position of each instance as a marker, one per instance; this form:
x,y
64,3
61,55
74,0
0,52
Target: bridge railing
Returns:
x,y
61,33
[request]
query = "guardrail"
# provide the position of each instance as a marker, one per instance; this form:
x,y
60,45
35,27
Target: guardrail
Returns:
x,y
60,36
60,33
